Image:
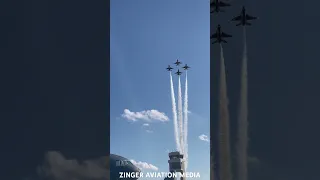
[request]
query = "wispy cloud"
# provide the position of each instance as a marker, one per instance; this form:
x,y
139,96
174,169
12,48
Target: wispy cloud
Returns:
x,y
57,167
144,165
204,138
147,115
146,127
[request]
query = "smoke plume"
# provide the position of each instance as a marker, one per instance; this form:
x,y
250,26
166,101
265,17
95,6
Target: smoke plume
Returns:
x,y
242,144
180,116
186,121
174,113
224,146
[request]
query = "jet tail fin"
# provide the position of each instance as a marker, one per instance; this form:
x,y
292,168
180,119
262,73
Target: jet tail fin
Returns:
x,y
224,41
238,24
248,24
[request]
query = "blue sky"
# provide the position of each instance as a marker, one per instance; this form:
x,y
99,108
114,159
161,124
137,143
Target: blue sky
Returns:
x,y
147,36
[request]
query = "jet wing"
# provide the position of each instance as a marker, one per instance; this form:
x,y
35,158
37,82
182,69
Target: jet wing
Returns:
x,y
215,35
222,4
237,18
225,35
248,17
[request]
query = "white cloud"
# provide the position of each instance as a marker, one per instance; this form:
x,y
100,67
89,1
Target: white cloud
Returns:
x,y
147,115
144,165
57,167
145,124
204,138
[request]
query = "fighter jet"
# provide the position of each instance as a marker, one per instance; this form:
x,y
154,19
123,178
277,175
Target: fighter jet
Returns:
x,y
186,67
177,63
178,73
216,5
169,68
219,35
243,18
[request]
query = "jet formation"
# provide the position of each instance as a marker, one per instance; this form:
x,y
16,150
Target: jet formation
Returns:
x,y
243,19
177,63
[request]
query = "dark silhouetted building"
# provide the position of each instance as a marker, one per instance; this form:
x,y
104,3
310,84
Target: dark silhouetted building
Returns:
x,y
176,163
119,164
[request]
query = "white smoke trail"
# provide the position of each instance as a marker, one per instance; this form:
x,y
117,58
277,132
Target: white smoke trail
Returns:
x,y
224,147
186,121
180,116
174,113
242,143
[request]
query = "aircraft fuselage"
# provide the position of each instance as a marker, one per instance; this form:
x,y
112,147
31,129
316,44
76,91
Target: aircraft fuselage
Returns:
x,y
243,17
219,34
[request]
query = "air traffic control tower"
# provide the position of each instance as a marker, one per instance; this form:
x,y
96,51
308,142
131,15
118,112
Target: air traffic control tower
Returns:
x,y
176,163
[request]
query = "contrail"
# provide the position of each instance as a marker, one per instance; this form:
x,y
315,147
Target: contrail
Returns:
x,y
224,147
242,143
180,116
174,113
185,128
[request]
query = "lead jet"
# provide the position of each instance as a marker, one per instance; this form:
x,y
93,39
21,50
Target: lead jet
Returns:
x,y
169,68
216,5
243,18
219,35
178,73
186,67
177,63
